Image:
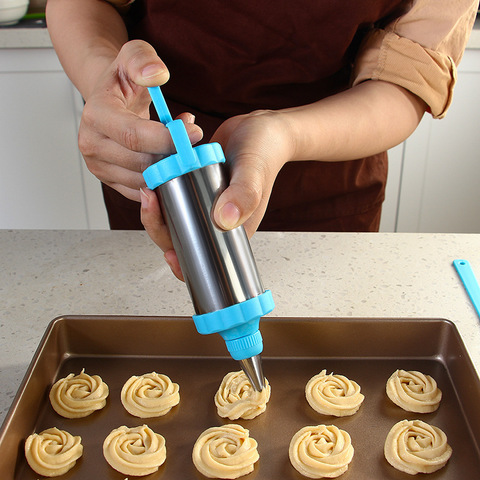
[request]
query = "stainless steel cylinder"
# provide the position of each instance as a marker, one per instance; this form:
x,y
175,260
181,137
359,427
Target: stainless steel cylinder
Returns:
x,y
218,266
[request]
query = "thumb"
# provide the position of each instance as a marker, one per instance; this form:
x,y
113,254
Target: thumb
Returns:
x,y
141,64
245,197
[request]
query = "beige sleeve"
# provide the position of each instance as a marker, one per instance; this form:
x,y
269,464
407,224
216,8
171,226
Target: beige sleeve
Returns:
x,y
420,50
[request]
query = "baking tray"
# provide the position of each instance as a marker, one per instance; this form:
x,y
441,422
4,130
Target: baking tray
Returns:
x,y
365,350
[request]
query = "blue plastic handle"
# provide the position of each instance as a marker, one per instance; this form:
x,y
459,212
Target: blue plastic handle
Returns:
x,y
160,105
469,280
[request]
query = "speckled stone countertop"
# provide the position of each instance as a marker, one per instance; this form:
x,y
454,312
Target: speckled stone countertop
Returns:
x,y
45,274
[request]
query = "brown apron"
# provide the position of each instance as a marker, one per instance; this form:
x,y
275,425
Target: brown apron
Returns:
x,y
232,57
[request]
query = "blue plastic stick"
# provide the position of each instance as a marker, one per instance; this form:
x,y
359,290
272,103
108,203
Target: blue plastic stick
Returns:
x,y
467,276
160,105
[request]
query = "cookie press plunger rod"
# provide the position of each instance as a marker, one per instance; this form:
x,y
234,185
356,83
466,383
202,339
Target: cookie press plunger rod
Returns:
x,y
217,265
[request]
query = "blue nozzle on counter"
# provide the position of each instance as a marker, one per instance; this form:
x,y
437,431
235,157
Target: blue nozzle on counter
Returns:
x,y
238,325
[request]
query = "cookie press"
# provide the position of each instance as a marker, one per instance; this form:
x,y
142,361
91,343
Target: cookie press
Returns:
x,y
218,265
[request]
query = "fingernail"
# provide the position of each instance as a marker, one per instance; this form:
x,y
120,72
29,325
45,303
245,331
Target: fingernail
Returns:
x,y
167,261
229,216
151,71
144,198
195,136
168,256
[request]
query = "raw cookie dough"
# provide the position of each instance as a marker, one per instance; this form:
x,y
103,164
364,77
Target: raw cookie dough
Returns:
x,y
416,447
225,452
78,396
135,451
333,394
236,398
52,452
150,395
413,391
321,451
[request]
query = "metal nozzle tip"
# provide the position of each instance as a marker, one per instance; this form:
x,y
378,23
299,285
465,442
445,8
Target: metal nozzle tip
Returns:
x,y
253,370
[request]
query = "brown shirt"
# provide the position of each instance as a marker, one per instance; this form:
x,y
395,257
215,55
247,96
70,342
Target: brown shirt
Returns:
x,y
229,58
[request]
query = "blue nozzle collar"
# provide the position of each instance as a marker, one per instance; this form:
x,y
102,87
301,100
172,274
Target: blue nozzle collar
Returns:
x,y
238,325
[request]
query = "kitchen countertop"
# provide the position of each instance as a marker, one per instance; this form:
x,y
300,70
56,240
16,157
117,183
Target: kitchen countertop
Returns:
x,y
45,274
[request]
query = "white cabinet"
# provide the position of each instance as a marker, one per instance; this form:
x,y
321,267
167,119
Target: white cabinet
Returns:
x,y
434,176
43,181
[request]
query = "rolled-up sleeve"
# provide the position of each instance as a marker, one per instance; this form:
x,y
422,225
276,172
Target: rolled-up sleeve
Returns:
x,y
420,50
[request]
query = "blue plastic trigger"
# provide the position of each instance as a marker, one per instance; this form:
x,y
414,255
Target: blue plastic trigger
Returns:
x,y
182,144
176,127
160,105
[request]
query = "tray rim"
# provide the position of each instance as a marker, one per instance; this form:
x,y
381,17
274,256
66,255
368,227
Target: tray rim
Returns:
x,y
61,319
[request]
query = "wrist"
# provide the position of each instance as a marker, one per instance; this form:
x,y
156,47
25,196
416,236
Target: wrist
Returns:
x,y
297,133
280,126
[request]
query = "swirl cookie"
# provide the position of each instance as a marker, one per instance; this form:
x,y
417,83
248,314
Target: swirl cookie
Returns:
x,y
416,447
53,452
321,451
413,391
77,396
135,451
225,452
236,398
333,394
150,395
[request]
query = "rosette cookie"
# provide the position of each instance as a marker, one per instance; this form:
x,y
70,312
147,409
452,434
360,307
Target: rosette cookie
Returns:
x,y
416,447
150,395
236,398
135,451
333,394
413,391
321,451
225,452
52,452
78,396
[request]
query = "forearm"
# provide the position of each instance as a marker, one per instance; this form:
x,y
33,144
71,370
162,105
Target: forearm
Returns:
x,y
87,36
364,120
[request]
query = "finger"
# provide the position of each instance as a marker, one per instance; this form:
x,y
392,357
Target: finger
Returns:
x,y
172,261
186,117
133,132
248,189
97,148
152,220
156,228
128,130
113,174
139,61
111,162
130,193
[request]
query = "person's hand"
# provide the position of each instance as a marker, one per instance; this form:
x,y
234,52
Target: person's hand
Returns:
x,y
116,137
256,147
155,226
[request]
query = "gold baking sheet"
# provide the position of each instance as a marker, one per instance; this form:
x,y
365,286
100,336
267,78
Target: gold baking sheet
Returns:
x,y
365,350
